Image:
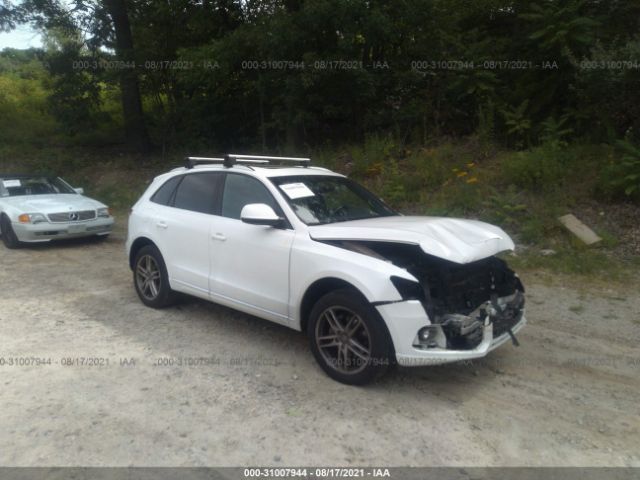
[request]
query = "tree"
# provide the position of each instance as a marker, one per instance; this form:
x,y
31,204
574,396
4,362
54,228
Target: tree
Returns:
x,y
134,123
104,23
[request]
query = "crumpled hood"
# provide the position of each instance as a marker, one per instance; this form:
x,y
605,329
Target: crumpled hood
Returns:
x,y
52,203
457,240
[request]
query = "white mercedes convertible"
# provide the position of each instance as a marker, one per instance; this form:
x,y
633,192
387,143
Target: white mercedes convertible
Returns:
x,y
37,208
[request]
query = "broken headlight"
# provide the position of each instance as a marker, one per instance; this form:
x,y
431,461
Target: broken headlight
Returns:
x,y
408,289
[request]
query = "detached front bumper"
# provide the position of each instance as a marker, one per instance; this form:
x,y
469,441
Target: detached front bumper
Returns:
x,y
46,231
405,319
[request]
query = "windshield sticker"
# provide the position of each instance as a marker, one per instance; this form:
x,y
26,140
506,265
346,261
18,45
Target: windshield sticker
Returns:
x,y
11,183
297,190
306,215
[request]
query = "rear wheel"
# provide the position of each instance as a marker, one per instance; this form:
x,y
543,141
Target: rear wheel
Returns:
x,y
348,338
9,237
151,279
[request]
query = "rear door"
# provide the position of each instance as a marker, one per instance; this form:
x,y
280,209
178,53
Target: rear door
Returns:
x,y
250,263
182,229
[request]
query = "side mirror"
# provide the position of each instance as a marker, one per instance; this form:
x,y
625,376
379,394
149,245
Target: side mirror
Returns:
x,y
79,191
260,214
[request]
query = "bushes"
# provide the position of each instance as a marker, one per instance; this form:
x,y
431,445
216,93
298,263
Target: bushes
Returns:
x,y
621,178
23,111
38,108
368,158
393,189
542,168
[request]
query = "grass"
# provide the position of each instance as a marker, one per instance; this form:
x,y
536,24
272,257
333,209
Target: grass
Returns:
x,y
573,261
577,309
523,192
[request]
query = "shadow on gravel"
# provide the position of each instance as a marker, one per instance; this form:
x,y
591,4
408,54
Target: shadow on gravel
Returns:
x,y
196,328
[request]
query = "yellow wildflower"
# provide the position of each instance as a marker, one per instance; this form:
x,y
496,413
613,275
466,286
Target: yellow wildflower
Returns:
x,y
461,174
473,180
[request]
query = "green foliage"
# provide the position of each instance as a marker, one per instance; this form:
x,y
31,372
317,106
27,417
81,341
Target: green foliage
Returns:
x,y
573,260
560,27
74,98
606,91
24,116
541,168
517,123
532,219
118,195
435,167
370,157
487,123
555,132
464,200
393,190
280,76
622,178
505,207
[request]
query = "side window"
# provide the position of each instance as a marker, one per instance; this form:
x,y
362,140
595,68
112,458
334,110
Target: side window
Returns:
x,y
165,192
198,192
241,190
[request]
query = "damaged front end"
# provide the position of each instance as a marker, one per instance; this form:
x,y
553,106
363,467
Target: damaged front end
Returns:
x,y
463,301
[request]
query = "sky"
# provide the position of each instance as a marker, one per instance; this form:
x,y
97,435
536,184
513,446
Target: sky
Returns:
x,y
21,37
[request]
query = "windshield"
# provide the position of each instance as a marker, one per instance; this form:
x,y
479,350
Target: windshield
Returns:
x,y
32,185
320,199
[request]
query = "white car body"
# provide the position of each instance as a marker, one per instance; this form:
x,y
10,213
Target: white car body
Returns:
x,y
59,215
273,272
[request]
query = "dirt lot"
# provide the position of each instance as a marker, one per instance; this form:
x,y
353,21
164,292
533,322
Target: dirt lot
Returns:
x,y
249,392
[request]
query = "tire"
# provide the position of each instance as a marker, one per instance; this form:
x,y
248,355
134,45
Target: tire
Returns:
x,y
151,280
348,338
9,237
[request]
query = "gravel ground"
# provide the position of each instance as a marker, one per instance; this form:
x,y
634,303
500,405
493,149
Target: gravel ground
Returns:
x,y
620,221
249,392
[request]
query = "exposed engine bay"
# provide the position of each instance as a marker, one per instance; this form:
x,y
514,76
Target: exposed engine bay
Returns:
x,y
460,298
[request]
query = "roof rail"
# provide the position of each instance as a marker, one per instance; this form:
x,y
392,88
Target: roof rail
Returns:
x,y
269,159
190,162
232,159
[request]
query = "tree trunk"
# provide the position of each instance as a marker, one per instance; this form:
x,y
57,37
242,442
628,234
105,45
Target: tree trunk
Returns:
x,y
134,124
263,127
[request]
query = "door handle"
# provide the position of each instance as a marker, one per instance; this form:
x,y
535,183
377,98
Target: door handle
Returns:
x,y
218,236
161,224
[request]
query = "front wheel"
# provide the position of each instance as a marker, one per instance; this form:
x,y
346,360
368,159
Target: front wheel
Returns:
x,y
9,237
151,279
348,338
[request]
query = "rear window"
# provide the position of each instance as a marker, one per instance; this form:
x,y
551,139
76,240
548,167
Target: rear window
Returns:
x,y
164,194
198,192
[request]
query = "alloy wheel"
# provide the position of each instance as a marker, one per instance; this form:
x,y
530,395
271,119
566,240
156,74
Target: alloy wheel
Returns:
x,y
148,277
343,340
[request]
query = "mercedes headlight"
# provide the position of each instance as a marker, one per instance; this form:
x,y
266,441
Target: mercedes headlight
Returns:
x,y
104,212
32,218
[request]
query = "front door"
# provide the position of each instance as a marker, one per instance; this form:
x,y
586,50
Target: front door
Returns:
x,y
249,263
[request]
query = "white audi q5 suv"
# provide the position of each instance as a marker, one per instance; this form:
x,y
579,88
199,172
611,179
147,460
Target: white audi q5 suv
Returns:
x,y
313,250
